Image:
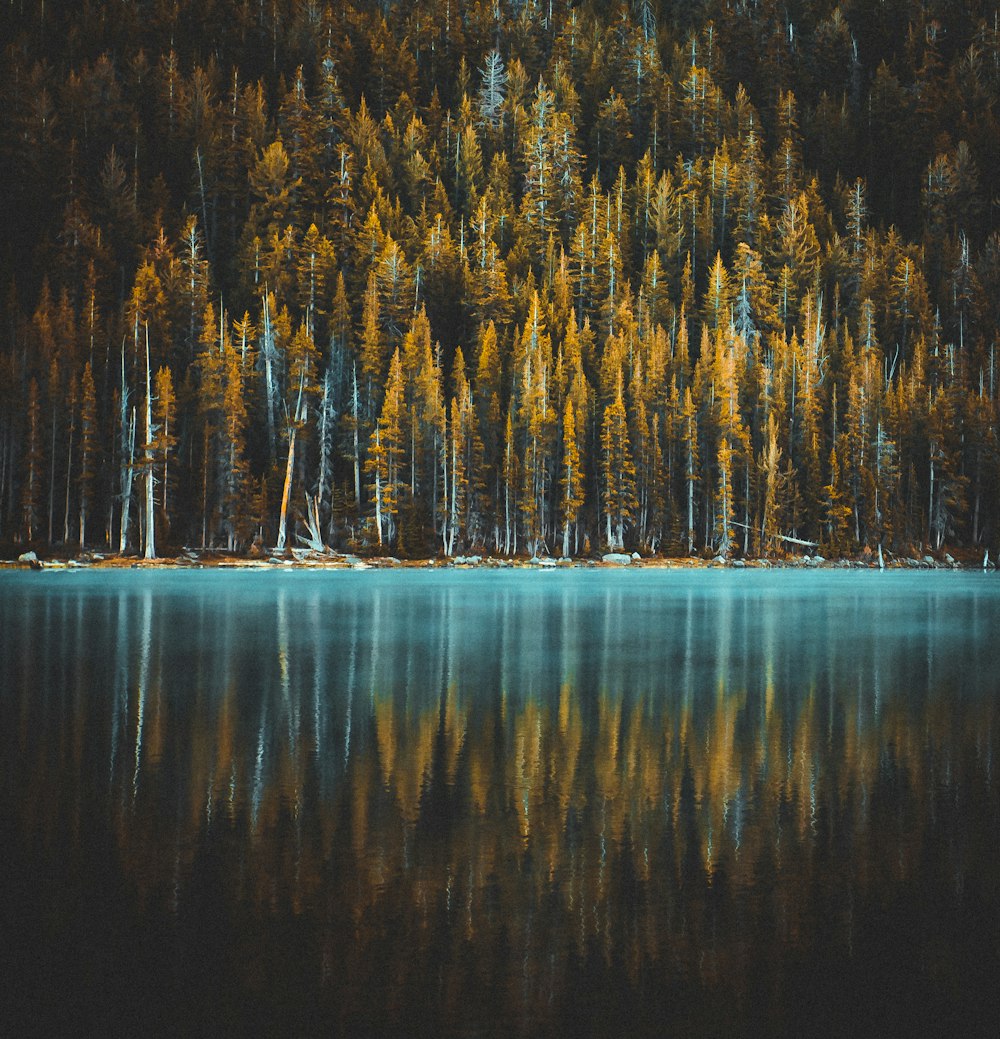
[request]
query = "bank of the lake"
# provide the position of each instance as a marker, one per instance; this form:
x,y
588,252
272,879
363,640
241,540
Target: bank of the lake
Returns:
x,y
300,558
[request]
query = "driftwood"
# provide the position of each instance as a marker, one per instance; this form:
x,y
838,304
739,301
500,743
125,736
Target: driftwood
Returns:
x,y
315,539
781,537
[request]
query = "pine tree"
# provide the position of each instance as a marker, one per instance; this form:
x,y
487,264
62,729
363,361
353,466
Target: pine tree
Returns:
x,y
165,438
88,447
493,88
770,465
572,480
689,434
385,454
457,484
302,362
836,512
72,406
54,401
32,478
234,469
617,471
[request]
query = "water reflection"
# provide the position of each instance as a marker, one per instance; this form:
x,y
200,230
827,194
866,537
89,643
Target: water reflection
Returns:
x,y
527,803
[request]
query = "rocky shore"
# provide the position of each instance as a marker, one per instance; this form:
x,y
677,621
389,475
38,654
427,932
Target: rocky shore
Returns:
x,y
303,558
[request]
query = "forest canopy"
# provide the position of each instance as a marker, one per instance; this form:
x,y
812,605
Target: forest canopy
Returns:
x,y
519,276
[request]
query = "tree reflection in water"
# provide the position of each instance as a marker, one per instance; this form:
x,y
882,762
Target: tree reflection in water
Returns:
x,y
505,804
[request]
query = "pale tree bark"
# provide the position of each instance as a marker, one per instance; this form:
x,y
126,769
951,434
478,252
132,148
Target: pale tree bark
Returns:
x,y
378,495
150,552
357,448
269,373
298,418
128,455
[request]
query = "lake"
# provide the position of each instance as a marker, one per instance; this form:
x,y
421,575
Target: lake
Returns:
x,y
494,803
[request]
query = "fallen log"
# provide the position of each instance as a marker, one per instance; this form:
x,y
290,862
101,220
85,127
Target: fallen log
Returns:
x,y
781,537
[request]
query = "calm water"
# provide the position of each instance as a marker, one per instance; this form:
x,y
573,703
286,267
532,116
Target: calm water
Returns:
x,y
488,803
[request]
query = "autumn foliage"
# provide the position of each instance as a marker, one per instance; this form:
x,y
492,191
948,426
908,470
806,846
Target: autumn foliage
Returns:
x,y
518,276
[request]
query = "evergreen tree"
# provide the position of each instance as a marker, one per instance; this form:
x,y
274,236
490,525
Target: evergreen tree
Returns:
x,y
385,454
617,470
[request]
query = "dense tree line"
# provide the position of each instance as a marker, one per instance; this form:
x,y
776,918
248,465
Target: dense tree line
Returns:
x,y
513,275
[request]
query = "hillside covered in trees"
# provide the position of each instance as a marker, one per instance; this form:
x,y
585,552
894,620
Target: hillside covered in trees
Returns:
x,y
518,276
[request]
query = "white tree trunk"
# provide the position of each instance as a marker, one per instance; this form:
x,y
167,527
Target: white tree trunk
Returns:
x,y
357,449
378,496
269,373
290,464
150,552
127,473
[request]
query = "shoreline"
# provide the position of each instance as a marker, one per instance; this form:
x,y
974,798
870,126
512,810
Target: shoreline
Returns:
x,y
309,559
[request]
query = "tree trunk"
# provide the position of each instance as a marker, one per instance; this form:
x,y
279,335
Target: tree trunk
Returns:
x,y
69,470
286,491
269,376
930,499
204,491
378,496
150,552
127,471
357,449
52,477
690,483
453,513
324,448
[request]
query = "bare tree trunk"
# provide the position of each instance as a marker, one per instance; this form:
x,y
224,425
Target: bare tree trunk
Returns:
x,y
204,207
204,491
69,470
289,467
357,449
52,476
269,374
453,513
690,483
315,539
324,447
746,510
150,552
286,491
128,472
444,497
930,500
378,496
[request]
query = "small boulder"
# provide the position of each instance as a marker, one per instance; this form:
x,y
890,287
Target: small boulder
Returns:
x,y
27,557
617,557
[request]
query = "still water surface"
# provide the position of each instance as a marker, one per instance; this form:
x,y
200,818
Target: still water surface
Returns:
x,y
488,803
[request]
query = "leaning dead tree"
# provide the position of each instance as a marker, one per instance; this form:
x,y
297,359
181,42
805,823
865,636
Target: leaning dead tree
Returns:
x,y
780,537
314,540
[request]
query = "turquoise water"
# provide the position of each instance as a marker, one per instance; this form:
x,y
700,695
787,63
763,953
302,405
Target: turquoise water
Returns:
x,y
495,803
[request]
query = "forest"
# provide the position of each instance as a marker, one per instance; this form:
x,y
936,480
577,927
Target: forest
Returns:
x,y
525,277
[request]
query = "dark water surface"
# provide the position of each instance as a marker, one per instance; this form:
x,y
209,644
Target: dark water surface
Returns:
x,y
488,803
